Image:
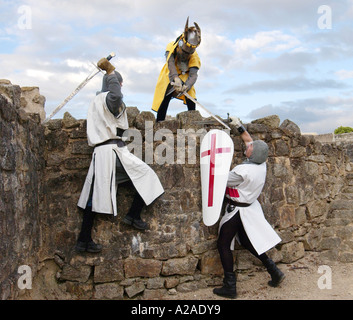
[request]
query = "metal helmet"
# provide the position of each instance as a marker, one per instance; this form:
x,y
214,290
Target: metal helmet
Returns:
x,y
191,38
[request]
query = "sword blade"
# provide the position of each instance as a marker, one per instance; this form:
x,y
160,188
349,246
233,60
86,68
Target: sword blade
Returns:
x,y
73,93
202,107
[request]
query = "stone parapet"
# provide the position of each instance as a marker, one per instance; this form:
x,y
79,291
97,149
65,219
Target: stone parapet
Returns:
x,y
307,198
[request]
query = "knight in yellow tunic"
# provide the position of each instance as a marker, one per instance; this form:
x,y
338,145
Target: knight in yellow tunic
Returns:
x,y
179,73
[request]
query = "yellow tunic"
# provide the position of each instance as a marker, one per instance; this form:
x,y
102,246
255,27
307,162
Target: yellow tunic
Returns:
x,y
163,79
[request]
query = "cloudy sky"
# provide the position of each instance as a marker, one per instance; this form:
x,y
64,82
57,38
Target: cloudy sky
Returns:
x,y
284,57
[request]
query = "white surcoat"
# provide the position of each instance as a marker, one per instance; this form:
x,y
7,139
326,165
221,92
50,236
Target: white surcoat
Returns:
x,y
260,233
102,126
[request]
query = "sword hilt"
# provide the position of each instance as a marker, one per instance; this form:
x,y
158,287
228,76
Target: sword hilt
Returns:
x,y
111,55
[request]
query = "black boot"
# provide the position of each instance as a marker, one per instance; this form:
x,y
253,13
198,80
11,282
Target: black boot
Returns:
x,y
89,246
133,218
93,247
84,241
277,275
229,286
136,223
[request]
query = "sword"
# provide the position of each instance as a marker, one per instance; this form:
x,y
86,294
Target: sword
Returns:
x,y
202,107
73,93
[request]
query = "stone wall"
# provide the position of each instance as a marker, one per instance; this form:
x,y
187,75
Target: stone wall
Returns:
x,y
307,198
345,140
22,147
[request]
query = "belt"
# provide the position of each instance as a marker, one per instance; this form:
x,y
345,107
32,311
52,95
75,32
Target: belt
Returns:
x,y
119,142
238,204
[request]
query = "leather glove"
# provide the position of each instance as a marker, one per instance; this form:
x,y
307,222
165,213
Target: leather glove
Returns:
x,y
177,84
104,64
184,88
236,122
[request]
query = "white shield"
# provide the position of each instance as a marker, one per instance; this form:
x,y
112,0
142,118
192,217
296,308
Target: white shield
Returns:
x,y
216,155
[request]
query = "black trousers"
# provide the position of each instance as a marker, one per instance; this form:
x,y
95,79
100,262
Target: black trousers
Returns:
x,y
162,111
227,233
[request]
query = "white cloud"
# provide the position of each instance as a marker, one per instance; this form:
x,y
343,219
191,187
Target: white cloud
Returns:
x,y
266,41
295,84
321,115
251,46
344,74
39,74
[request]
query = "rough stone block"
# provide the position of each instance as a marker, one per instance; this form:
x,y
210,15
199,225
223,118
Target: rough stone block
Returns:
x,y
181,266
292,251
109,291
77,273
148,268
211,263
135,289
109,271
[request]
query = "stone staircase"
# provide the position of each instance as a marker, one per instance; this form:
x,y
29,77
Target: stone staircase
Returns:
x,y
337,239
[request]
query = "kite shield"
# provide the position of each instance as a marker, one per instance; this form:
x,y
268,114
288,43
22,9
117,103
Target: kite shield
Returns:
x,y
216,155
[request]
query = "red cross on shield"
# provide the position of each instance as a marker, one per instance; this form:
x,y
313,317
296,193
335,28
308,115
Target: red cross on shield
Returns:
x,y
216,154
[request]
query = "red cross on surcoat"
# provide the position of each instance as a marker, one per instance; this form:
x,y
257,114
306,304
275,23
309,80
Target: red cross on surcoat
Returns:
x,y
212,153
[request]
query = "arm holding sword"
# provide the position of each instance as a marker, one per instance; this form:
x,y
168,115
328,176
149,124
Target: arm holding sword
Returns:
x,y
112,82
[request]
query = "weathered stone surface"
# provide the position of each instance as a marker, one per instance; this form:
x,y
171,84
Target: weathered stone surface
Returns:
x,y
154,294
292,251
132,113
142,268
135,289
188,119
171,282
22,164
179,266
290,128
75,273
69,121
307,198
155,283
281,148
317,208
79,291
32,101
192,286
109,271
109,291
272,122
211,263
141,119
287,216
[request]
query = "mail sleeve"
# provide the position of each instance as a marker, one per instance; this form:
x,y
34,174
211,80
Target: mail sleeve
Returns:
x,y
115,97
